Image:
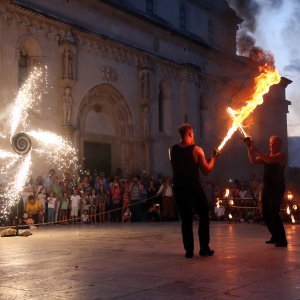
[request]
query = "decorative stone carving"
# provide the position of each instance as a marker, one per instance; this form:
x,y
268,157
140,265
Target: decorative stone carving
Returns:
x,y
67,106
109,74
68,49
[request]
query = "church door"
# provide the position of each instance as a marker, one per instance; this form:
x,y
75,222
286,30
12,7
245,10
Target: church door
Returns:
x,y
97,156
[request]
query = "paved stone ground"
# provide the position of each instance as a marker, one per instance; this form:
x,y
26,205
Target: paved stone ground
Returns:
x,y
146,261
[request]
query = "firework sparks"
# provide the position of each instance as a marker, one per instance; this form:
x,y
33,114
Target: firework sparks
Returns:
x,y
15,169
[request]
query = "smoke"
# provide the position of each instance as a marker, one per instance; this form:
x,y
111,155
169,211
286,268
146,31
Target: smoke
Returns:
x,y
249,11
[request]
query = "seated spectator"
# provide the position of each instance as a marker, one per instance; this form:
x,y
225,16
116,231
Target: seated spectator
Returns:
x,y
34,207
127,216
85,219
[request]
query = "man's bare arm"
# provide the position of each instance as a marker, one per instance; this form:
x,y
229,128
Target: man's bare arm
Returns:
x,y
205,166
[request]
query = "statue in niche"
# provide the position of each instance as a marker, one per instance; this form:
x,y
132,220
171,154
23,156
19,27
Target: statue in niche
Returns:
x,y
67,106
23,67
146,121
68,65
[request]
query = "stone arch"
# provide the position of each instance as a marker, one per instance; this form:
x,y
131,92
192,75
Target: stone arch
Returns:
x,y
108,102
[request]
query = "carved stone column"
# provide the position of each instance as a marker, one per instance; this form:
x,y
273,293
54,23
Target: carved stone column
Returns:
x,y
68,77
146,83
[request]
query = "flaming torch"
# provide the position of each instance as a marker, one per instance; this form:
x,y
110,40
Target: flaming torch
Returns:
x,y
267,77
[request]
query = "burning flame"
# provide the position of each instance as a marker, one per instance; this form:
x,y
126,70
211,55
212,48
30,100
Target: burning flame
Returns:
x,y
231,202
230,216
226,193
290,196
288,211
295,207
267,77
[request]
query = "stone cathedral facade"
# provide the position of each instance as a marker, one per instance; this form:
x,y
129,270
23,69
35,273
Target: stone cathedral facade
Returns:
x,y
123,75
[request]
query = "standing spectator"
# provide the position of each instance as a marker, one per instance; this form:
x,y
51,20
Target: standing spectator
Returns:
x,y
38,185
94,205
51,207
86,186
57,189
64,206
167,204
135,195
75,202
49,180
115,193
43,199
102,203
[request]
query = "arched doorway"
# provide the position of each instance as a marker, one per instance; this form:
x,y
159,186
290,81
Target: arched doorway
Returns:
x,y
105,131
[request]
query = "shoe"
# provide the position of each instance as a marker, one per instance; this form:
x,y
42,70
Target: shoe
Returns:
x,y
281,244
206,252
189,254
271,241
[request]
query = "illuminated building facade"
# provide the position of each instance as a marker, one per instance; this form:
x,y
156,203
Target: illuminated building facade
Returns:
x,y
123,75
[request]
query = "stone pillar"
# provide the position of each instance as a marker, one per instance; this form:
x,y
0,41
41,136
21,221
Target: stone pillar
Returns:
x,y
146,78
68,75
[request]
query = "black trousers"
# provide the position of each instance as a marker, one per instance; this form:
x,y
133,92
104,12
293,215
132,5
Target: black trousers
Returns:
x,y
271,201
190,199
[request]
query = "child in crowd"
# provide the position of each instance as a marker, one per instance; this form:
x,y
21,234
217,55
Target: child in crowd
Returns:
x,y
75,202
64,206
51,207
127,216
85,219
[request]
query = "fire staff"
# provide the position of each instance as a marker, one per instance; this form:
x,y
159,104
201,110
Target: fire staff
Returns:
x,y
186,159
274,186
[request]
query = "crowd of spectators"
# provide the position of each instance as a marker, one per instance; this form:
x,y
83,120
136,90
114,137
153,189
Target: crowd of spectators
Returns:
x,y
96,198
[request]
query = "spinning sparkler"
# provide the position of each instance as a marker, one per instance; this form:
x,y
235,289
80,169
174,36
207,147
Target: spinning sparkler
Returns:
x,y
55,150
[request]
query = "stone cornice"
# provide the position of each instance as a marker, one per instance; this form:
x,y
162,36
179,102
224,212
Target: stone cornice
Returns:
x,y
40,25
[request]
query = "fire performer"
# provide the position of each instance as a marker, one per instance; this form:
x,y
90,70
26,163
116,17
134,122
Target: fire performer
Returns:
x,y
186,159
273,188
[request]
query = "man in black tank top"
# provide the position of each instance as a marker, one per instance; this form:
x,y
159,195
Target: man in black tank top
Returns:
x,y
274,186
186,159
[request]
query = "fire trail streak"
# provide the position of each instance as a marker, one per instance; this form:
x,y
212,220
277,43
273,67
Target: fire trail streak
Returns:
x,y
268,76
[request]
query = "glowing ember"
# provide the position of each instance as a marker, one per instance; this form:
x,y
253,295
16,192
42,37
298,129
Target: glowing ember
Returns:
x,y
231,202
14,168
230,216
226,193
288,211
268,76
290,196
293,219
295,207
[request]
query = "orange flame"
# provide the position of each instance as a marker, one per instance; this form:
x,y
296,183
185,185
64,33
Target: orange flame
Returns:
x,y
268,76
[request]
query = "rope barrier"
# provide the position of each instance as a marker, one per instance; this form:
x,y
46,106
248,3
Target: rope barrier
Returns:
x,y
79,217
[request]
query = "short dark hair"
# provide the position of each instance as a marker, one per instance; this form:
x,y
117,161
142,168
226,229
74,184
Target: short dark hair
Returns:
x,y
184,128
